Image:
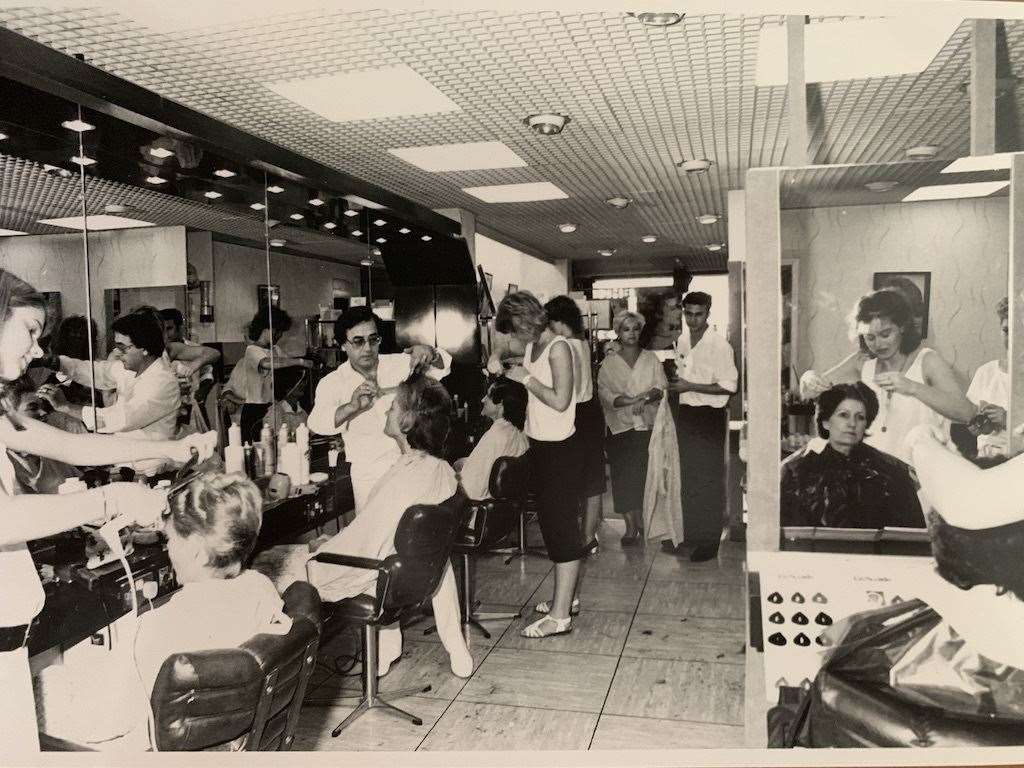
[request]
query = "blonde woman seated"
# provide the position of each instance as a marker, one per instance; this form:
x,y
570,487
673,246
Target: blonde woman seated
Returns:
x,y
419,420
211,532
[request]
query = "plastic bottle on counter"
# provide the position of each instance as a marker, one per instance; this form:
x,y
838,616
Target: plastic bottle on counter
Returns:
x,y
235,435
267,443
302,441
234,459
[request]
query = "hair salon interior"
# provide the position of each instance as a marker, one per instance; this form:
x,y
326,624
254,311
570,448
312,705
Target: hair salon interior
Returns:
x,y
511,380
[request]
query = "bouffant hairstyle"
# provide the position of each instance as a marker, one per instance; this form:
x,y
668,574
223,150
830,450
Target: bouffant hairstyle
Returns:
x,y
830,399
269,317
887,304
512,396
564,310
521,311
225,512
623,316
427,413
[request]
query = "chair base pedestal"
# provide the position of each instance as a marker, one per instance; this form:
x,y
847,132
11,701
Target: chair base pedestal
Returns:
x,y
366,703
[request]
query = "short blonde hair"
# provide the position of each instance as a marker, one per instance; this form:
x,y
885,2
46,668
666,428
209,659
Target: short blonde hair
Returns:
x,y
521,311
623,316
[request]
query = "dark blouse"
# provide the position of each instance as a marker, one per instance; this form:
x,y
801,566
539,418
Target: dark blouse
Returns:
x,y
867,489
967,558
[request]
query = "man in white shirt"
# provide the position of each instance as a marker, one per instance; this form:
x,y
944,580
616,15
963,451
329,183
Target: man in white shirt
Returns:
x,y
706,376
505,405
354,399
990,392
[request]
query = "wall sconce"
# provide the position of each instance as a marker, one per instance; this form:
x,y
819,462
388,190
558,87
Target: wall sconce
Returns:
x,y
205,301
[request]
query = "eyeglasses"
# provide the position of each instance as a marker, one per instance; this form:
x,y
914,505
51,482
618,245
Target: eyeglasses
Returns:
x,y
124,348
361,341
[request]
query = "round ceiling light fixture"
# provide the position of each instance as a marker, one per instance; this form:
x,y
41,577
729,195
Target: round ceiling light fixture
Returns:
x,y
658,18
606,252
277,242
716,247
881,186
922,152
366,262
619,201
375,251
547,123
708,218
567,228
696,165
649,238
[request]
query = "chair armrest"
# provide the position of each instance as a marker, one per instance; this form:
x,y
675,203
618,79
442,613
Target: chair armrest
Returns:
x,y
475,534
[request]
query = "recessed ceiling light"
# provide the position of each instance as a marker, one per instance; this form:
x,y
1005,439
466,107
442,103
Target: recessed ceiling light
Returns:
x,y
656,19
404,231
11,232
708,218
62,172
370,94
224,173
375,251
694,165
715,247
83,160
649,238
922,152
379,222
619,202
606,252
881,186
329,225
3,136
296,216
1000,162
78,126
97,222
366,262
275,189
474,156
517,193
212,194
567,229
316,202
381,240
955,191
350,212
257,206
426,238
155,180
356,233
547,123
277,242
160,152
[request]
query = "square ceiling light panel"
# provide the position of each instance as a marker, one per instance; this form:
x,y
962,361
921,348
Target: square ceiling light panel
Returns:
x,y
370,94
11,232
517,193
857,49
1000,162
473,156
955,191
98,222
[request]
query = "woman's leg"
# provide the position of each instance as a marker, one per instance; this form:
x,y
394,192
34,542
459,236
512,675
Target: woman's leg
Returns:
x,y
592,518
566,578
448,620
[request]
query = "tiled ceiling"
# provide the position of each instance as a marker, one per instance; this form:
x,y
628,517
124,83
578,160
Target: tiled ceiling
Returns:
x,y
640,100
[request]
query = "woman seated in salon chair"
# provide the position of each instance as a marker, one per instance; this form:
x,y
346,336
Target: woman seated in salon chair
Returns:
x,y
840,481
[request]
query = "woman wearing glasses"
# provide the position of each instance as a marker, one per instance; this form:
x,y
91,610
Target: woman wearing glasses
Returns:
x,y
354,399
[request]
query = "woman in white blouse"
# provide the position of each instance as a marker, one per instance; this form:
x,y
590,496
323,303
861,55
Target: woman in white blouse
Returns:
x,y
630,384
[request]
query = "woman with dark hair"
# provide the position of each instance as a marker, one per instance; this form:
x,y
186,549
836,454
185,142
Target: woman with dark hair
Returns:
x,y
28,517
990,393
914,384
419,420
565,319
251,382
556,456
839,482
505,405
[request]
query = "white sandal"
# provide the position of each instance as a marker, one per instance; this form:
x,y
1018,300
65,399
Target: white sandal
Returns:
x,y
562,627
545,607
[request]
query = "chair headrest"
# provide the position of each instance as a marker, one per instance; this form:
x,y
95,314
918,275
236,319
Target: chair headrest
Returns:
x,y
509,477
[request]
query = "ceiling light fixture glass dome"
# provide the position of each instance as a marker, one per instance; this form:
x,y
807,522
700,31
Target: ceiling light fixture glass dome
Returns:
x,y
695,165
567,228
881,186
619,201
649,238
708,218
606,252
658,18
547,123
716,247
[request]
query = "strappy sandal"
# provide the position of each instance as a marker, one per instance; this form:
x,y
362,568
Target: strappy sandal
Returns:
x,y
562,627
545,607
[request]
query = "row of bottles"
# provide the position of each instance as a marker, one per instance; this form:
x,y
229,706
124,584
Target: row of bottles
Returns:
x,y
270,456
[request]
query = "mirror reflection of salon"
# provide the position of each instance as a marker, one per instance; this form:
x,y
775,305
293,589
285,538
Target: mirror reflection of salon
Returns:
x,y
895,292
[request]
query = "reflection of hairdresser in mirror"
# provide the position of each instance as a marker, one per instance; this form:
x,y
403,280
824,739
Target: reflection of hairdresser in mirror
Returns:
x,y
838,481
27,517
914,384
990,392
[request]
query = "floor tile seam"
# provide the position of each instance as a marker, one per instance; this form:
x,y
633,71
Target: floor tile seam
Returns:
x,y
675,719
530,706
688,661
642,614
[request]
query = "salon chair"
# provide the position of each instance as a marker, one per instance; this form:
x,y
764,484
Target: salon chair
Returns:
x,y
406,581
238,699
526,510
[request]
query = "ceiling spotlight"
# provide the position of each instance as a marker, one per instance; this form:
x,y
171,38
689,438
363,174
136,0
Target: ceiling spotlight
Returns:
x,y
212,194
381,240
160,152
275,189
379,222
296,217
547,123
367,262
716,247
426,238
351,212
257,206
316,202
619,202
708,218
77,125
277,242
922,152
224,173
329,225
567,229
82,160
649,238
881,186
356,233
654,19
155,180
697,165
404,231
606,252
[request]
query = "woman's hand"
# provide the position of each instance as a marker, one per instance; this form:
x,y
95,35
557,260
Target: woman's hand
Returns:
x,y
420,356
517,373
181,450
894,381
653,395
812,384
53,393
494,365
135,503
612,348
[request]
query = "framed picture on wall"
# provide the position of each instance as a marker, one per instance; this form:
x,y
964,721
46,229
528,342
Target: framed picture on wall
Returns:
x,y
265,293
916,288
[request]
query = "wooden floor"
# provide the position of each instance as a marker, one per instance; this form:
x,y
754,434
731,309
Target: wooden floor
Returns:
x,y
655,660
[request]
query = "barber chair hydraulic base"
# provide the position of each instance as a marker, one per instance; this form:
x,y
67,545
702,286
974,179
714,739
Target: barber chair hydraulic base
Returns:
x,y
522,550
469,604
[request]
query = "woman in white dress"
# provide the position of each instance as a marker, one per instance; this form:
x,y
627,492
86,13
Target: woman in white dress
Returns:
x,y
913,383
